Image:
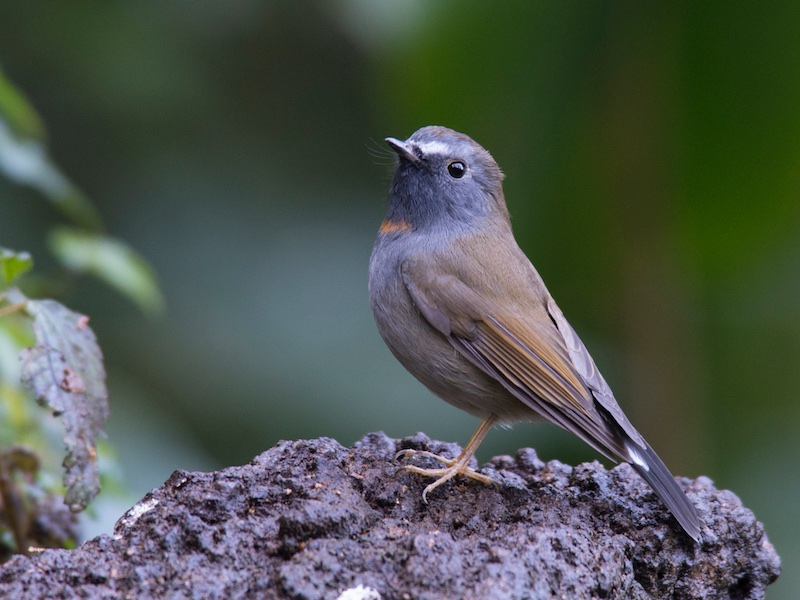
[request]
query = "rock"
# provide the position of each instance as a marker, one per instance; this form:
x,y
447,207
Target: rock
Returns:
x,y
313,519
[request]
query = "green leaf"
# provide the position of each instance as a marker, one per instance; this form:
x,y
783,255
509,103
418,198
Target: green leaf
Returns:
x,y
112,261
65,371
23,157
25,161
18,112
13,264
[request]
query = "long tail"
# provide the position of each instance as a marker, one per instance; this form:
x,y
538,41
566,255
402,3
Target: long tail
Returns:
x,y
647,463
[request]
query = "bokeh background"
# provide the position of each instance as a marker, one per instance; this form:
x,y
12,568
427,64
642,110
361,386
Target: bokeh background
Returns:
x,y
652,157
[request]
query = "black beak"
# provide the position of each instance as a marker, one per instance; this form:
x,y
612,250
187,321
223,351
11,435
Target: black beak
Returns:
x,y
403,150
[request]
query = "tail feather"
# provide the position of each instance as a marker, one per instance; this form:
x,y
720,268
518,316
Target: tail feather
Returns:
x,y
647,463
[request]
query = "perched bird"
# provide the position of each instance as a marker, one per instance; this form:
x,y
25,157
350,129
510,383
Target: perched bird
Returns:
x,y
464,310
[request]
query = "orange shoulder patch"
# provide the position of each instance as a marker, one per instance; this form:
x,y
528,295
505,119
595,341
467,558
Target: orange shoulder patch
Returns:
x,y
394,226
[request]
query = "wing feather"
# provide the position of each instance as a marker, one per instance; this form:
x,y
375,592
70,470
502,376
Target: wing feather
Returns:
x,y
590,374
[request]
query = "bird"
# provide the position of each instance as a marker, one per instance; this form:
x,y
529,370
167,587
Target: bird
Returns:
x,y
463,309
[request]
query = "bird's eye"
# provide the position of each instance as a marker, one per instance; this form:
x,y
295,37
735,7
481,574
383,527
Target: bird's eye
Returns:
x,y
457,169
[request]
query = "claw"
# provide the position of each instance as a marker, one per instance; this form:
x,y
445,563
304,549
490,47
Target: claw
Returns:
x,y
404,454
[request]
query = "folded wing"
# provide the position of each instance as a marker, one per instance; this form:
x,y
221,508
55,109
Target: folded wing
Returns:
x,y
543,363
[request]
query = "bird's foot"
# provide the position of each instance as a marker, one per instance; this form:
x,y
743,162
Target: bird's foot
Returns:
x,y
453,467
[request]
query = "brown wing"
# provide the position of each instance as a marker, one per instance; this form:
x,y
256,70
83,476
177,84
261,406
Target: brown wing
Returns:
x,y
542,362
528,356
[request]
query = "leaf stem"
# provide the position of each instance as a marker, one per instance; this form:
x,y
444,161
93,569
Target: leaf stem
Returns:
x,y
12,308
12,506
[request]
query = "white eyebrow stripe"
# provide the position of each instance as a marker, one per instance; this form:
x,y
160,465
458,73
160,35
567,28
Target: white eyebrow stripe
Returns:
x,y
432,147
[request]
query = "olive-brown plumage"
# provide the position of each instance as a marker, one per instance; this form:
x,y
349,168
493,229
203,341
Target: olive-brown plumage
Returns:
x,y
463,309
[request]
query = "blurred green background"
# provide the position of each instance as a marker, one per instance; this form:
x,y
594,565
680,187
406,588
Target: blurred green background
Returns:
x,y
652,158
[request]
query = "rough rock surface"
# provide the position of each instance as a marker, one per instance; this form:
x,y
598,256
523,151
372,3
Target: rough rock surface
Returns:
x,y
313,519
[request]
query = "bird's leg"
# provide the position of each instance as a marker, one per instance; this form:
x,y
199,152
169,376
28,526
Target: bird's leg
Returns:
x,y
454,466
